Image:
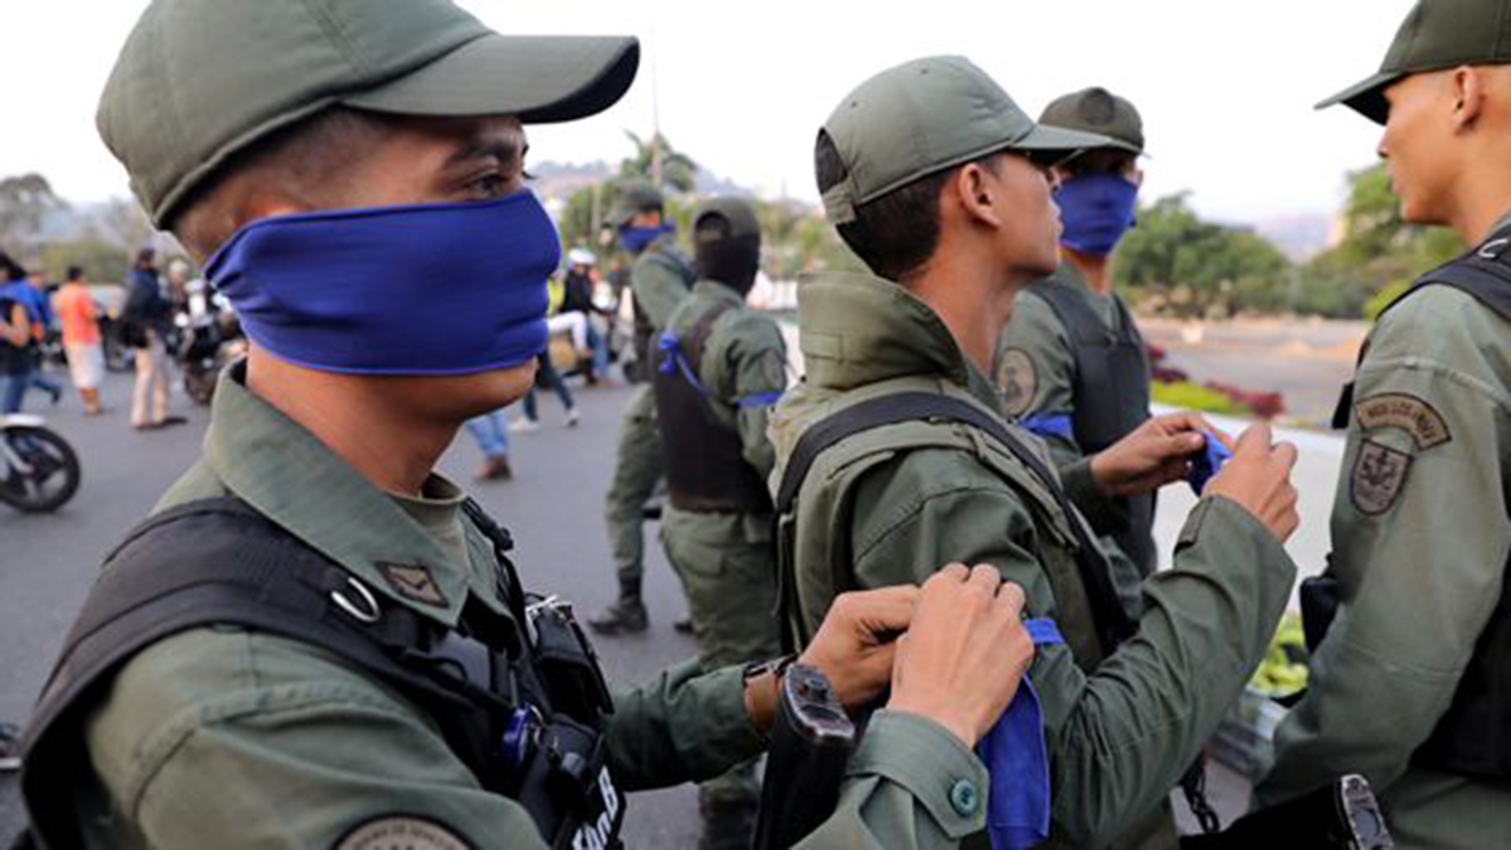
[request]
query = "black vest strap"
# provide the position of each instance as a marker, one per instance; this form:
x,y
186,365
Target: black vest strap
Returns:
x,y
1112,623
1111,387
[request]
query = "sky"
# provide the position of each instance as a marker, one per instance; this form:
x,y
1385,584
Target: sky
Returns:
x,y
1225,87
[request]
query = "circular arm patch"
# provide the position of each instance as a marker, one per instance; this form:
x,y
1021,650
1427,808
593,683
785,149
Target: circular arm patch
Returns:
x,y
401,832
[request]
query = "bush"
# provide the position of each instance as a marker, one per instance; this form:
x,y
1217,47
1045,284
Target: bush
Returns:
x,y
1188,396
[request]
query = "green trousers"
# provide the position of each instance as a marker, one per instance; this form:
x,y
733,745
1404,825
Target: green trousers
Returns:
x,y
728,570
636,474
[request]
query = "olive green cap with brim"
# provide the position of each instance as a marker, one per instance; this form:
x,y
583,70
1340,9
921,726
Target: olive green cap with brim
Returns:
x,y
635,197
738,212
1436,35
201,81
1097,110
926,116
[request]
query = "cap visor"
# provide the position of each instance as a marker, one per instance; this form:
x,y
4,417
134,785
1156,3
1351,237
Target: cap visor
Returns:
x,y
1367,98
1043,139
541,79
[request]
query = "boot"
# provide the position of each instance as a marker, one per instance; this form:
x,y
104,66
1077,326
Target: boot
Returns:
x,y
627,613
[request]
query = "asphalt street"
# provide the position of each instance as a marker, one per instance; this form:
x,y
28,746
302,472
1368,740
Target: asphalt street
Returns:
x,y
553,507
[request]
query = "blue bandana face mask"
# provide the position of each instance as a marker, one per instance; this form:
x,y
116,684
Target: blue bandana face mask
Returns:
x,y
635,239
1097,210
425,289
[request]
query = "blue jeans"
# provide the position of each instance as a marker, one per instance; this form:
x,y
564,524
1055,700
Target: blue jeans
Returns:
x,y
599,343
15,386
551,378
491,432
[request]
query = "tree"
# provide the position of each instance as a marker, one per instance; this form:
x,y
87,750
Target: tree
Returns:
x,y
678,170
25,202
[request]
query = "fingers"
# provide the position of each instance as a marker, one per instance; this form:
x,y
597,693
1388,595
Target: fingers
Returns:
x,y
985,579
1256,438
887,609
1185,420
1287,455
1010,598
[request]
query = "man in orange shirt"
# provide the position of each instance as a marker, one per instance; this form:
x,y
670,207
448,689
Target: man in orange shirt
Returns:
x,y
81,339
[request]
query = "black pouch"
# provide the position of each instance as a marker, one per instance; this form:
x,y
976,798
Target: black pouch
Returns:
x,y
1319,605
569,790
568,665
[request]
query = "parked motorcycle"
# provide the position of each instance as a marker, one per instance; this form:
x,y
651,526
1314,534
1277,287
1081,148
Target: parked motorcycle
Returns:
x,y
39,470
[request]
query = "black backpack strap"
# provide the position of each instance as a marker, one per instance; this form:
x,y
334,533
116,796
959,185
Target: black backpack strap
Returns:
x,y
1112,622
214,561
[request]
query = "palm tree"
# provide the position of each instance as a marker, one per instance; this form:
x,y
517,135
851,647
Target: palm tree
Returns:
x,y
678,171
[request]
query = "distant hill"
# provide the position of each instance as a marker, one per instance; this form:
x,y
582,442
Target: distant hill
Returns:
x,y
1300,236
561,179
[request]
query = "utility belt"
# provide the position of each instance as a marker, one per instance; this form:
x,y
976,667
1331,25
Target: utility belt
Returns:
x,y
518,695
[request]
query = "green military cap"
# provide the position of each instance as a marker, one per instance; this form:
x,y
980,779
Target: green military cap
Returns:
x,y
635,197
738,212
199,81
1097,110
1437,34
925,116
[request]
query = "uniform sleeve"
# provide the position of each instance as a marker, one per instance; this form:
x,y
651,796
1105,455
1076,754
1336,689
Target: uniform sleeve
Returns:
x,y
681,727
303,752
898,790
1120,738
1035,370
1420,543
658,286
751,371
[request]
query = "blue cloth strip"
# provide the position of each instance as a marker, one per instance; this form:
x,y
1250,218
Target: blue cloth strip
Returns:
x,y
1049,425
1044,632
1017,762
675,361
759,399
1207,462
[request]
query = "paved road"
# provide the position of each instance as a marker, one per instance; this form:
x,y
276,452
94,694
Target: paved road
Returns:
x,y
553,507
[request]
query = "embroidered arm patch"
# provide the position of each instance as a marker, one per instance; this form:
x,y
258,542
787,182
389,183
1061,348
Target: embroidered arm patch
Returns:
x,y
1406,412
1378,477
1018,380
401,832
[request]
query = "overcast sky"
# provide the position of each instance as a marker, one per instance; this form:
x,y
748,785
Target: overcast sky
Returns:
x,y
1225,87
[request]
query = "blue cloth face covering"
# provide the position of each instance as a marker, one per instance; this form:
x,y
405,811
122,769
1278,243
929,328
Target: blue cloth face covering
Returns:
x,y
635,239
424,289
1097,209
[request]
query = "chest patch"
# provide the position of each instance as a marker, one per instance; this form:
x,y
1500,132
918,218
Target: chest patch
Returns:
x,y
413,582
1407,412
1378,477
401,832
1018,380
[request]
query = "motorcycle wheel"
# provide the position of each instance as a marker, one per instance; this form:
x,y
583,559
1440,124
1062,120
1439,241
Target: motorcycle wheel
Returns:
x,y
54,475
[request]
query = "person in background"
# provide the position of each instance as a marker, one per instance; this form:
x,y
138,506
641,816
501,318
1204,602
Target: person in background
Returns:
x,y
15,338
81,339
39,310
492,435
577,297
149,313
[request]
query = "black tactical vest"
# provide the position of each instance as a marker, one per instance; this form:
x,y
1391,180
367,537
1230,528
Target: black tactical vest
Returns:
x,y
1111,387
1473,738
706,470
645,332
518,696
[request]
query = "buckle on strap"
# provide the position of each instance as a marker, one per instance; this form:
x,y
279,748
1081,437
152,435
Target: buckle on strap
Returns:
x,y
367,612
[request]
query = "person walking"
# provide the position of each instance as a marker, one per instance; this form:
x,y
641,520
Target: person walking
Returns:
x,y
148,314
491,433
15,338
81,339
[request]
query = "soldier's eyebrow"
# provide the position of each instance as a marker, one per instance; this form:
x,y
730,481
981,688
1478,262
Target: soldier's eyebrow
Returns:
x,y
506,150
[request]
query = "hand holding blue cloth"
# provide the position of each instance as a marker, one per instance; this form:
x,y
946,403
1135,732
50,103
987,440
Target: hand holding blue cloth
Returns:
x,y
1017,761
1207,462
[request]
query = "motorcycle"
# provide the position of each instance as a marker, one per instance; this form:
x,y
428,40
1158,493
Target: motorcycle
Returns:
x,y
206,337
39,471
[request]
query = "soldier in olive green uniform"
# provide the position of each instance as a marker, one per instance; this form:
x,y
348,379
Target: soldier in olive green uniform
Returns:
x,y
370,165
1411,686
1072,365
935,147
723,367
660,279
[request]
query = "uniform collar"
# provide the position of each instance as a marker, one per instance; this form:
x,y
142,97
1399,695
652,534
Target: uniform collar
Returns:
x,y
860,329
717,291
283,471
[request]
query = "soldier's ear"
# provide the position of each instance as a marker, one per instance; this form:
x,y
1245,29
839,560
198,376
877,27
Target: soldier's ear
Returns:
x,y
1468,88
979,194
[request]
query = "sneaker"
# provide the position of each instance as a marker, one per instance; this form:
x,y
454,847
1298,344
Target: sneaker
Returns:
x,y
495,469
10,747
573,417
524,426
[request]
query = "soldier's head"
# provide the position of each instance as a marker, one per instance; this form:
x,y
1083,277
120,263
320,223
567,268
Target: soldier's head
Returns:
x,y
932,156
352,174
1099,188
638,215
1443,94
727,242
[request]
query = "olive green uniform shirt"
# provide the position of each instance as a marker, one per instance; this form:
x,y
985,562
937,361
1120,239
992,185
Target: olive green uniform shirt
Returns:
x,y
893,504
1420,538
224,737
658,282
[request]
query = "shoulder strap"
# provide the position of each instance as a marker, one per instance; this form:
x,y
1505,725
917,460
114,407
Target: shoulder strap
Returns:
x,y
1484,272
1079,319
1112,622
